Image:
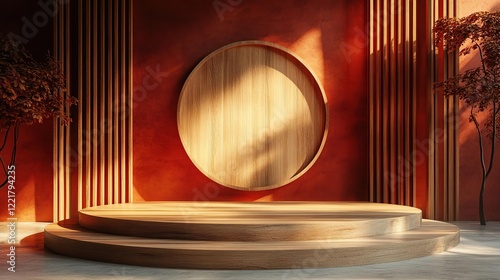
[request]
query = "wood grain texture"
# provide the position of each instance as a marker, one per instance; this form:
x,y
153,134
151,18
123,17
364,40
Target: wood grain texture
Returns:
x,y
101,75
71,240
251,116
240,221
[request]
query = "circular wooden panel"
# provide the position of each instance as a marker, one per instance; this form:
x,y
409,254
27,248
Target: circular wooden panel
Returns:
x,y
251,116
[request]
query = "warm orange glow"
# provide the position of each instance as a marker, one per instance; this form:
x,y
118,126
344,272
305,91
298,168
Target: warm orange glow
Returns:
x,y
266,198
25,208
136,195
309,48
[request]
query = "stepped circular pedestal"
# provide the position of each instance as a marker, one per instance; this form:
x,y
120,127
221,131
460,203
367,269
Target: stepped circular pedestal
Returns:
x,y
255,221
231,235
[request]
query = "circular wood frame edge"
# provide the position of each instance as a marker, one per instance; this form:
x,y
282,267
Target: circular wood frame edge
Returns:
x,y
309,71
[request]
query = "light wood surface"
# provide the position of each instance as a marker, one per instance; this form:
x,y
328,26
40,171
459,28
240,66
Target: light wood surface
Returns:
x,y
71,240
250,221
252,116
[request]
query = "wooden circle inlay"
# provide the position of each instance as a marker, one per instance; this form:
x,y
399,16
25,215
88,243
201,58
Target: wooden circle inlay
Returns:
x,y
251,116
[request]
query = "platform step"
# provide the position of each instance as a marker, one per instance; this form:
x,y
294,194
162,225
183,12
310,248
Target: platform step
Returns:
x,y
72,240
251,221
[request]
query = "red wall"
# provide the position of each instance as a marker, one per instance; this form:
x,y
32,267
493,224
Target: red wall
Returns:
x,y
33,184
171,37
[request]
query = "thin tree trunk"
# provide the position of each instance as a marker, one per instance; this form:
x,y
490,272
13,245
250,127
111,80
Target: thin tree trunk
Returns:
x,y
486,173
482,219
13,153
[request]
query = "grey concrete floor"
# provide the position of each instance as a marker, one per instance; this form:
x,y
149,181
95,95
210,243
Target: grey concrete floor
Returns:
x,y
477,257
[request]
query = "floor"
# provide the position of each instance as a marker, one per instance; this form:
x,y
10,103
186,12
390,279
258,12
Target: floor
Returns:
x,y
477,257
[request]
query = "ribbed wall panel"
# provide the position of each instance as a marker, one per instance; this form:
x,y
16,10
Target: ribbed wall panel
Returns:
x,y
395,148
102,82
391,96
444,184
61,136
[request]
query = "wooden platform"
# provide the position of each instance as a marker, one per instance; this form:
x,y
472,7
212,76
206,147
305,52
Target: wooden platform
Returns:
x,y
257,221
222,235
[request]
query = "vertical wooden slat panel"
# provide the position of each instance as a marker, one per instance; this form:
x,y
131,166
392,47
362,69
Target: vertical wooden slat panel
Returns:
x,y
110,101
438,145
451,140
446,138
110,88
413,81
404,92
385,100
55,181
392,126
394,153
445,144
103,86
432,162
378,99
94,103
371,94
377,62
130,100
454,168
389,109
452,131
87,83
400,100
57,129
116,92
61,134
123,98
102,105
67,146
80,196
